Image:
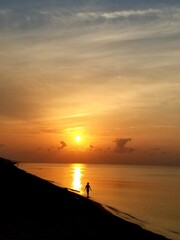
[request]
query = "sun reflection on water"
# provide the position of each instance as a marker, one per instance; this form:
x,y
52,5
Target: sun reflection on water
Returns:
x,y
77,175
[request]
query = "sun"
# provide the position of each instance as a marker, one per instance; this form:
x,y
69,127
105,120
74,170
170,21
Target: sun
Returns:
x,y
78,138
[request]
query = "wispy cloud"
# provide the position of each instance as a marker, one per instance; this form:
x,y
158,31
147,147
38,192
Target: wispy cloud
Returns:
x,y
119,14
63,18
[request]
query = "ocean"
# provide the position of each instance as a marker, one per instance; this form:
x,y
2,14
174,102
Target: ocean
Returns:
x,y
146,195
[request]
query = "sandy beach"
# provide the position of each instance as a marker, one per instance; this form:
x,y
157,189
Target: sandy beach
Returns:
x,y
33,208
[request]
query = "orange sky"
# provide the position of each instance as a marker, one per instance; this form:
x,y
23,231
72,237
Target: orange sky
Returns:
x,y
108,72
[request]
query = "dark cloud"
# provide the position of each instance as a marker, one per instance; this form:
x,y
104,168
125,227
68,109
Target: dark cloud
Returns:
x,y
91,148
164,153
63,144
2,145
155,149
39,148
120,145
158,151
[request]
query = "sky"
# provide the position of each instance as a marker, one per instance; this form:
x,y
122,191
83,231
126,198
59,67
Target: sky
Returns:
x,y
107,71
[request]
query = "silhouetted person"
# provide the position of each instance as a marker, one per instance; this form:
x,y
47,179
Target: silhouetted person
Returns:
x,y
87,188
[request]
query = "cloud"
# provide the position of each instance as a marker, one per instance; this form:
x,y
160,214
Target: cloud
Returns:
x,y
63,144
129,13
2,145
118,14
33,19
120,145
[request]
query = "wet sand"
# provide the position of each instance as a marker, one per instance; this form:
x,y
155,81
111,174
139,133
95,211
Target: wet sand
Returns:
x,y
35,209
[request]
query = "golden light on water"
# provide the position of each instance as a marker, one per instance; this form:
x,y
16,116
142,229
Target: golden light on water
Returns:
x,y
77,175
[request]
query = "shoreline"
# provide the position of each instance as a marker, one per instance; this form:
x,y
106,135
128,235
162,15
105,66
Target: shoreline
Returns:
x,y
33,208
130,218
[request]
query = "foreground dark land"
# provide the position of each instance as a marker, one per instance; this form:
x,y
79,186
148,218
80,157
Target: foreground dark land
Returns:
x,y
35,209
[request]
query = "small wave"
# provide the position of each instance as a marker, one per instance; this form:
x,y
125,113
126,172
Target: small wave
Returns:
x,y
124,215
178,233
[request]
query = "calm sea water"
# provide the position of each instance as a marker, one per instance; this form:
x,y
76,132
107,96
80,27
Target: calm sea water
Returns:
x,y
146,195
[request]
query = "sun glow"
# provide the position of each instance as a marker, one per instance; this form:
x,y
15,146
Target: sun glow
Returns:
x,y
78,138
